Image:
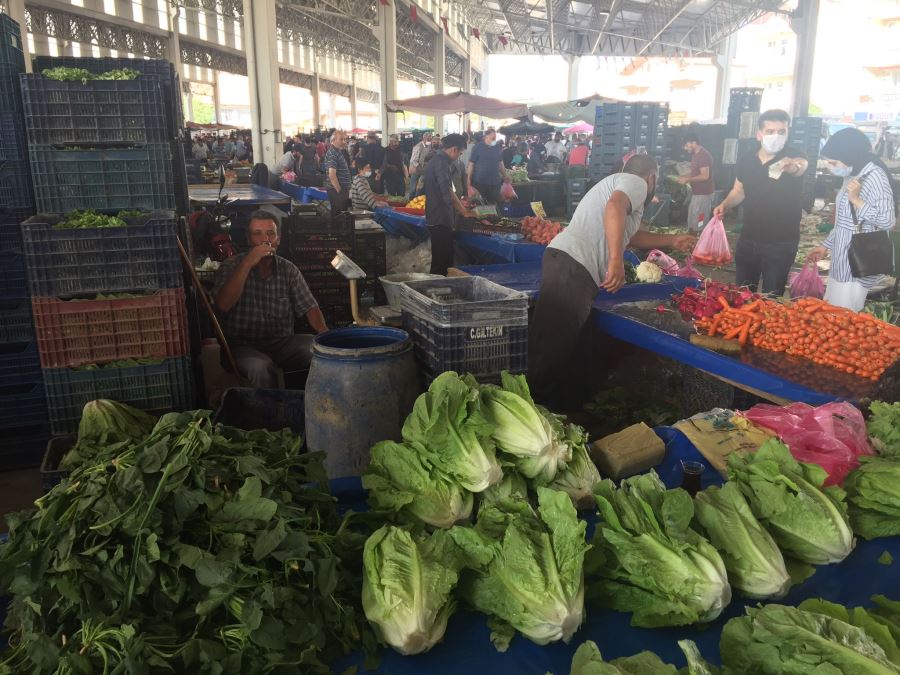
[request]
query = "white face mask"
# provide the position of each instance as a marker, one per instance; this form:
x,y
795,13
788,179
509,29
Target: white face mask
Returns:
x,y
843,171
774,143
365,174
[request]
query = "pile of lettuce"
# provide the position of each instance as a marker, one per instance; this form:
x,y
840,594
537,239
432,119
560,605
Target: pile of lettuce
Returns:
x,y
463,439
649,561
873,494
883,426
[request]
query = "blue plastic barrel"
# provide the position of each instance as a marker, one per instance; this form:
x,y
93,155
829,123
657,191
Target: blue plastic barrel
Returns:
x,y
362,384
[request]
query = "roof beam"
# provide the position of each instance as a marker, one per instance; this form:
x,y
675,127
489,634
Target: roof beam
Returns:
x,y
678,12
549,6
614,9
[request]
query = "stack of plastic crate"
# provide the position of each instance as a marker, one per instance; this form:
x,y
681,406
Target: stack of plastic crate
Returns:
x,y
466,324
16,193
806,134
622,127
109,316
370,253
310,242
138,122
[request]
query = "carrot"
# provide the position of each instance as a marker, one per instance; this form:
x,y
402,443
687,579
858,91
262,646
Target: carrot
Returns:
x,y
733,333
715,324
724,303
744,334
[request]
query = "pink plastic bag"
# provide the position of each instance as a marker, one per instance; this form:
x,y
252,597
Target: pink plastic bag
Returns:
x,y
832,435
689,270
288,176
807,283
664,262
712,247
507,193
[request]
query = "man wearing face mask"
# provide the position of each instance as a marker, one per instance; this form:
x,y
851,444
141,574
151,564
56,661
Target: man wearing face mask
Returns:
x,y
769,183
486,171
361,194
585,257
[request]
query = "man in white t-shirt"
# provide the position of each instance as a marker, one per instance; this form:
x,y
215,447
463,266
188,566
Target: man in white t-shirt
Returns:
x,y
556,148
585,257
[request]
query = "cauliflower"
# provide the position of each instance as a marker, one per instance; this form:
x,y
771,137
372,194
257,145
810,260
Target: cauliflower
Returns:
x,y
649,273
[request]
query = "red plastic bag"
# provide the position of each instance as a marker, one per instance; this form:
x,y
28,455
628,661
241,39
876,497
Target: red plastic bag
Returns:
x,y
807,283
507,193
712,247
832,435
689,270
664,262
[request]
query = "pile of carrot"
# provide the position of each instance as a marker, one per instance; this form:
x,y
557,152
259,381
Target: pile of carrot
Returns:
x,y
810,328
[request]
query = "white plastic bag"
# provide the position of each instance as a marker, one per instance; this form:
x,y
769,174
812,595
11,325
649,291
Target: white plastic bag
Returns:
x,y
849,294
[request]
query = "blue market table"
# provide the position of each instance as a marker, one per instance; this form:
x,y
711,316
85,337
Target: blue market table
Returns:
x,y
490,249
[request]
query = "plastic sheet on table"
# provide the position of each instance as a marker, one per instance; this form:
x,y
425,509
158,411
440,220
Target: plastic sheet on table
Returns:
x,y
648,313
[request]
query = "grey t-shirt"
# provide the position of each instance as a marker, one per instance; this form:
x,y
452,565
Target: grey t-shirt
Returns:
x,y
585,237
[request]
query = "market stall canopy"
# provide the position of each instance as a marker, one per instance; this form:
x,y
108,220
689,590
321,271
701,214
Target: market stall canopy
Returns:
x,y
579,110
459,102
194,126
580,128
526,127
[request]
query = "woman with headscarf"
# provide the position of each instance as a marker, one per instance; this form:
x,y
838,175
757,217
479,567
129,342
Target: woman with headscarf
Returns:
x,y
867,198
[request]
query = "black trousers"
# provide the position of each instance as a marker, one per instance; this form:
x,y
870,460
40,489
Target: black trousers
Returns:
x,y
491,193
441,248
340,201
559,328
771,261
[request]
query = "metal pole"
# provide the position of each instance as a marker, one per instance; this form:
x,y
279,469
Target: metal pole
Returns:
x,y
805,25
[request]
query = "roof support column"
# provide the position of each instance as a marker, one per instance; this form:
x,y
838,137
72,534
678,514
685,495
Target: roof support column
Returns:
x,y
722,61
467,88
354,124
805,24
387,38
262,73
217,99
173,45
574,62
16,9
317,108
440,76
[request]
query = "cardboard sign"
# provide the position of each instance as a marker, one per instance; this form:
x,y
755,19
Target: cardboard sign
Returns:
x,y
538,209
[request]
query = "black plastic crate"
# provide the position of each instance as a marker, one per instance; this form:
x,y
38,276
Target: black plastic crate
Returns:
x,y
484,350
272,409
10,238
11,43
23,403
105,180
68,262
464,301
99,112
19,362
13,282
23,448
12,138
165,70
15,321
157,388
10,93
16,191
55,449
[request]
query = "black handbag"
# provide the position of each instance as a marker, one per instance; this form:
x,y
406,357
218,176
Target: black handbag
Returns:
x,y
870,253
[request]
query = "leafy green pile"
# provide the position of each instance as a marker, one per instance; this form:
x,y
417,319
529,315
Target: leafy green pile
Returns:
x,y
752,558
808,521
201,548
121,363
873,495
589,661
528,568
817,637
408,585
84,76
87,218
884,428
647,559
105,423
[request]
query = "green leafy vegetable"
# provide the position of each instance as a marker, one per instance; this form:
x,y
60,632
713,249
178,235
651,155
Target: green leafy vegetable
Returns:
x,y
875,626
696,664
775,640
85,76
807,521
522,431
580,476
447,421
647,559
197,545
104,422
754,562
884,428
512,487
528,568
873,494
589,661
400,479
88,218
407,587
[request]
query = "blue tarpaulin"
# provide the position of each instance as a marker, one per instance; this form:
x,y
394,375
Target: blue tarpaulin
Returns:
x,y
311,194
403,224
466,648
495,249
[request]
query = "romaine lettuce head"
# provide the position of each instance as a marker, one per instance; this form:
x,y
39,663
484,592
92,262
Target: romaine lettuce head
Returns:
x,y
873,495
884,428
807,521
400,479
407,587
580,476
513,487
522,431
753,560
776,639
589,661
447,421
647,560
527,568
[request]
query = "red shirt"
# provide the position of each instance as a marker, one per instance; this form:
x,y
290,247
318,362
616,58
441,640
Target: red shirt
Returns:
x,y
320,149
701,159
578,156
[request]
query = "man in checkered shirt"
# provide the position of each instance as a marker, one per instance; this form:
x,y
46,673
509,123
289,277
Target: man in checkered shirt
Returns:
x,y
259,296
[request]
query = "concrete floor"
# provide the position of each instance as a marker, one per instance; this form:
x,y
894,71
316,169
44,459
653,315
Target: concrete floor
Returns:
x,y
18,490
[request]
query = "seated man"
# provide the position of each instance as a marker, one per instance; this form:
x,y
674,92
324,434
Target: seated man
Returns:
x,y
259,296
361,194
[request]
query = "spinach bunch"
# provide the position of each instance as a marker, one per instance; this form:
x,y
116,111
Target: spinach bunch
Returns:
x,y
200,548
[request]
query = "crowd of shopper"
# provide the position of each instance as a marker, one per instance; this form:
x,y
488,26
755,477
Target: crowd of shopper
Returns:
x,y
234,147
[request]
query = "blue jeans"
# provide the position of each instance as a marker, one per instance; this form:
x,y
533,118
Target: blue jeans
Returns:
x,y
771,261
413,182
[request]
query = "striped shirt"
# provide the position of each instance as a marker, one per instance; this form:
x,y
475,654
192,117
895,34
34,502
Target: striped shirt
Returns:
x,y
877,213
361,194
334,159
